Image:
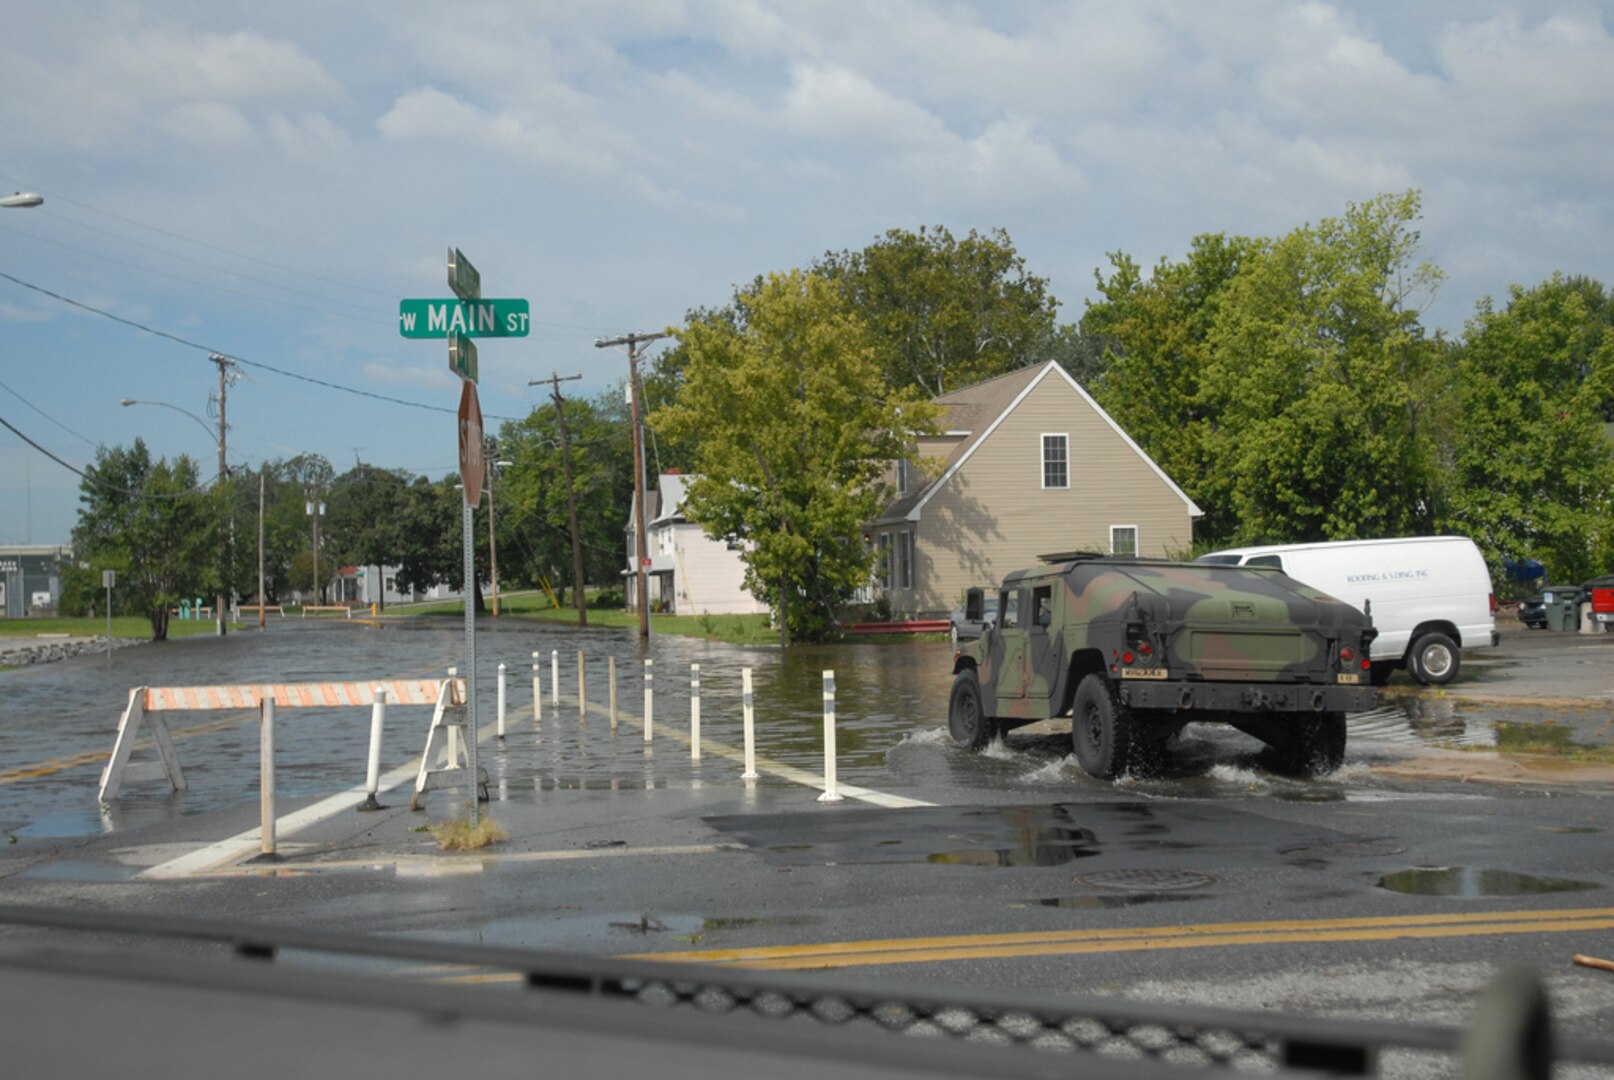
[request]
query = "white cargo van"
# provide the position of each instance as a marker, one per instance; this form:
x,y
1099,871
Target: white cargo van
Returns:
x,y
1430,595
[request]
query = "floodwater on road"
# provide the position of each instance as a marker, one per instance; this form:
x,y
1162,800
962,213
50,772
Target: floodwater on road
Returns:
x,y
58,722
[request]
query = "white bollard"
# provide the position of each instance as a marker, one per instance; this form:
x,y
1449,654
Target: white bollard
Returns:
x,y
501,701
372,771
266,774
611,666
453,740
537,693
582,687
694,712
750,726
830,792
649,679
554,677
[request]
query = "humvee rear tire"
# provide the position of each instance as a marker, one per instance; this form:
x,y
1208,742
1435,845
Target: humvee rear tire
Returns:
x,y
1433,659
966,720
1315,744
1101,732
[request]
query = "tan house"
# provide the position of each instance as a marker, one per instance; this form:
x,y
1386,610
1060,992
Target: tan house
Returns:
x,y
1022,465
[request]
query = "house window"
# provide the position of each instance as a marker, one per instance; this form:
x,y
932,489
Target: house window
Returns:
x,y
902,476
1123,539
1056,461
883,563
905,560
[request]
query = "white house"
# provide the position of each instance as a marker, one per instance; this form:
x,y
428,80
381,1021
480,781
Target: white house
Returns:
x,y
689,572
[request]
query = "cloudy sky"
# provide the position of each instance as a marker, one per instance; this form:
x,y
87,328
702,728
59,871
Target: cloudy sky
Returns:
x,y
267,181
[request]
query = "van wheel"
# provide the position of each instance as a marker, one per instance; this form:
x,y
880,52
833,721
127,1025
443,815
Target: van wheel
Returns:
x,y
1101,731
966,720
1433,659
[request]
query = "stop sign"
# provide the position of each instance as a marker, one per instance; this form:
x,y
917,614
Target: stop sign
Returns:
x,y
470,424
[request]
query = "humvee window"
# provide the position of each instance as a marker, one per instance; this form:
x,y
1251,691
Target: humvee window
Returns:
x,y
1009,609
1042,602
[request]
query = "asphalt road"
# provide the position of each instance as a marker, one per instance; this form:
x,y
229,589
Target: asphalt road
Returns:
x,y
1396,888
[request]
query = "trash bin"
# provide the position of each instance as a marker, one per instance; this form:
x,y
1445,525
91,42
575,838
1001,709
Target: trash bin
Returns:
x,y
1562,606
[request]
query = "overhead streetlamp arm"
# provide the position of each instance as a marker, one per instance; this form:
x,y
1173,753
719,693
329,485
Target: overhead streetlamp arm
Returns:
x,y
211,434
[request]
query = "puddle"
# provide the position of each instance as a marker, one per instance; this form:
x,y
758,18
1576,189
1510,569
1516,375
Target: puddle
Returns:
x,y
80,870
1467,881
1045,845
1091,903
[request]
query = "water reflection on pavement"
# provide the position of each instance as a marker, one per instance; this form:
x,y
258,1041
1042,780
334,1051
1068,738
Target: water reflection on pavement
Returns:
x,y
58,721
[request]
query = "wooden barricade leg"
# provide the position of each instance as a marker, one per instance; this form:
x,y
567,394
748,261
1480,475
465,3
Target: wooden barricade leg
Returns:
x,y
119,769
447,734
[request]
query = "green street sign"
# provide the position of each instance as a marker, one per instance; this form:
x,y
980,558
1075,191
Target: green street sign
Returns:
x,y
465,318
462,357
463,278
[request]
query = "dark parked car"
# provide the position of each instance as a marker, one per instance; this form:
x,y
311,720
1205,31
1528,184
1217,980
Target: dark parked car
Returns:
x,y
1533,612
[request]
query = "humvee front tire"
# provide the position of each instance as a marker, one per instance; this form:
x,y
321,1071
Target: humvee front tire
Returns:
x,y
1101,730
966,720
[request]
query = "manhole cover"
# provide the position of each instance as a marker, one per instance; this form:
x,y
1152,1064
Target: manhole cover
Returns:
x,y
1345,849
1146,880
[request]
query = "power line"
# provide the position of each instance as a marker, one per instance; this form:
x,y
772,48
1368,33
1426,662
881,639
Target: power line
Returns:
x,y
47,416
197,490
239,359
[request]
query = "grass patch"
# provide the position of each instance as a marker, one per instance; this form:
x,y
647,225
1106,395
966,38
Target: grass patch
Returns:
x,y
123,626
1542,740
460,835
733,629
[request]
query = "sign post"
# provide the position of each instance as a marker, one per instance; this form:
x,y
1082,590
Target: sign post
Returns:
x,y
459,321
109,578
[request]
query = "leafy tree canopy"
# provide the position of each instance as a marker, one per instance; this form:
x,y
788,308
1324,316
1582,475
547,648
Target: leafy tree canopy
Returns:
x,y
796,427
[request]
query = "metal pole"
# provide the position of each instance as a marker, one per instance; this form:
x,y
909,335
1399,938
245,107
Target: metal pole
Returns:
x,y
694,712
467,523
372,772
750,726
537,693
501,700
108,622
831,794
224,470
554,677
582,687
611,667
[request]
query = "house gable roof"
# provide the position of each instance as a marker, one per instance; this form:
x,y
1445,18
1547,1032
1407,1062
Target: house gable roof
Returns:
x,y
981,409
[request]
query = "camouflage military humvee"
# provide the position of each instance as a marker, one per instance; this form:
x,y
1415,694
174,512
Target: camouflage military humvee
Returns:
x,y
1134,649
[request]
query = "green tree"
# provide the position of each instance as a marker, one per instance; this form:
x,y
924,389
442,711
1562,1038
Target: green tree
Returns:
x,y
1319,381
363,519
153,524
1532,470
795,427
532,515
1155,333
944,313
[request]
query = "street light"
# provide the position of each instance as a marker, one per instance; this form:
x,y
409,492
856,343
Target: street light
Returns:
x,y
21,199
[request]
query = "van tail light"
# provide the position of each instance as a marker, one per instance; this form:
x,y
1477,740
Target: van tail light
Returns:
x,y
1492,598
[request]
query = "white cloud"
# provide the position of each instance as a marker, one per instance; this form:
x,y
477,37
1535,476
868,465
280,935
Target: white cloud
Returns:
x,y
207,122
421,375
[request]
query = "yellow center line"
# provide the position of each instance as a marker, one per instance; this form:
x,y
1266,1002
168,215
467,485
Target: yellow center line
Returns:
x,y
918,950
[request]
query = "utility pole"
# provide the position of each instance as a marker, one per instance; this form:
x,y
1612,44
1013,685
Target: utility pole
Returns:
x,y
227,587
578,598
640,494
